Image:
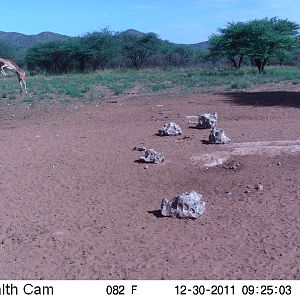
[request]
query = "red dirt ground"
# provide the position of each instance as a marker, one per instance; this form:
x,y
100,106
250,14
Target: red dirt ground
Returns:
x,y
75,204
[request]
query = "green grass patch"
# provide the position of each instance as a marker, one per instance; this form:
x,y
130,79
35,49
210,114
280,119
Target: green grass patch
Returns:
x,y
159,86
27,99
87,87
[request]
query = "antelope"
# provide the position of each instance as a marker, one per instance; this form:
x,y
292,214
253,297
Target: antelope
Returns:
x,y
12,66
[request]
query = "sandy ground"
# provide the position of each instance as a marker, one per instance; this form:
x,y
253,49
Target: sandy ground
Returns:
x,y
74,204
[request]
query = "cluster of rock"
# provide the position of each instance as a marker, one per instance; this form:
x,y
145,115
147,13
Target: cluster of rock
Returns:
x,y
187,205
216,136
152,156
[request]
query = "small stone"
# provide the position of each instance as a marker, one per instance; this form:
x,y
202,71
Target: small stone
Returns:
x,y
232,166
259,187
138,148
279,164
146,167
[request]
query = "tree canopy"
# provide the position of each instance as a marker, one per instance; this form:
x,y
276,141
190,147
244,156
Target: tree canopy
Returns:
x,y
139,48
7,50
259,40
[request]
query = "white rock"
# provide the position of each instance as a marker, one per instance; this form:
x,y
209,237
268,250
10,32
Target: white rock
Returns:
x,y
187,205
207,121
152,156
218,136
170,129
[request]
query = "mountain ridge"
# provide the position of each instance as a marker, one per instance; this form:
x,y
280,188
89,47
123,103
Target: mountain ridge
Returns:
x,y
24,41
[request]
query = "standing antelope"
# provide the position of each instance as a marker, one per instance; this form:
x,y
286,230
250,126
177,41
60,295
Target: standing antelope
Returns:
x,y
11,66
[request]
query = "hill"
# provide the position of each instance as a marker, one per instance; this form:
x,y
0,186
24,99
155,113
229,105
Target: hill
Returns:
x,y
131,32
202,45
23,41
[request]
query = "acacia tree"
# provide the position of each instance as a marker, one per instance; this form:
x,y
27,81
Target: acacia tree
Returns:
x,y
93,49
100,47
230,43
270,38
139,48
259,40
50,57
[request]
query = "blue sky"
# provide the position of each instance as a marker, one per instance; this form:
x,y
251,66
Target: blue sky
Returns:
x,y
187,21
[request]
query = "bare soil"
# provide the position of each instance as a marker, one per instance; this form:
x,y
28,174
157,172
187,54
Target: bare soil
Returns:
x,y
74,204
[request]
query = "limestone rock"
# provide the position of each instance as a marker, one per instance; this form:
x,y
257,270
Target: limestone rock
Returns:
x,y
218,136
152,156
187,205
207,121
170,129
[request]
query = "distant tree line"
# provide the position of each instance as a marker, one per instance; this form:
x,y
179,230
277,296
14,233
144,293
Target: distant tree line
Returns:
x,y
106,49
256,42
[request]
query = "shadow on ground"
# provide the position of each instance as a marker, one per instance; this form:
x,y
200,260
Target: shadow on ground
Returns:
x,y
156,213
273,98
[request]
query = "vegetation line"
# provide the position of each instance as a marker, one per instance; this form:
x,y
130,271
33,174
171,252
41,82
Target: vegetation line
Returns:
x,y
98,85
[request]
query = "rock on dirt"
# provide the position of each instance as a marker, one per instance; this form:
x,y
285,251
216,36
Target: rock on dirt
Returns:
x,y
207,121
152,156
218,136
170,129
187,205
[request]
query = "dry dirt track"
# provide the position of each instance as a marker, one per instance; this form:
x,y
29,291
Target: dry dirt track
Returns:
x,y
74,204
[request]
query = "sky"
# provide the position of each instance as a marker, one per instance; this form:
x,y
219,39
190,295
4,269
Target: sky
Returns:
x,y
186,21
